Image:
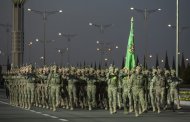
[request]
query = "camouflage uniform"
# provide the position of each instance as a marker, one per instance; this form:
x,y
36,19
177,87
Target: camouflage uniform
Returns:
x,y
112,89
138,85
54,79
174,82
127,85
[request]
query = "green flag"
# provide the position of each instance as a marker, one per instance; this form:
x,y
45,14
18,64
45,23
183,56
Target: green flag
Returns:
x,y
130,62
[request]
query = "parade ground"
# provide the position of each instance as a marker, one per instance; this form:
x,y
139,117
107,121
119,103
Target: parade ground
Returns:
x,y
10,113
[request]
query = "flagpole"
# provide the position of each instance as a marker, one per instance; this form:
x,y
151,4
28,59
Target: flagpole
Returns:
x,y
177,37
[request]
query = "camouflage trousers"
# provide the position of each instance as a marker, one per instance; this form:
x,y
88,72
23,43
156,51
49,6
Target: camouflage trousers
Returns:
x,y
112,96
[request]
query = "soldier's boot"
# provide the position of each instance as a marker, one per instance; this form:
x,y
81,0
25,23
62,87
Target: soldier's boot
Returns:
x,y
29,106
172,106
25,105
111,110
140,110
130,108
54,107
159,110
67,106
125,110
114,109
71,108
153,109
36,104
90,107
165,107
178,105
136,114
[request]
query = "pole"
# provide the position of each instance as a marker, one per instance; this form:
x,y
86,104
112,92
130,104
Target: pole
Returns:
x,y
69,46
44,36
177,37
29,53
146,34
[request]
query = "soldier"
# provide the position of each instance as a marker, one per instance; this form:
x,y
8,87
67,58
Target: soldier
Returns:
x,y
127,85
119,91
152,90
138,85
160,86
112,81
30,85
44,86
91,88
167,95
174,82
72,81
64,92
54,79
82,88
38,88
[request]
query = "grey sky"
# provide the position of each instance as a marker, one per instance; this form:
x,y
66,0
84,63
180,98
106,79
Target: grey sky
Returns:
x,y
78,13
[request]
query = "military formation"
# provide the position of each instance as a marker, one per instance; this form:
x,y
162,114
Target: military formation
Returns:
x,y
138,90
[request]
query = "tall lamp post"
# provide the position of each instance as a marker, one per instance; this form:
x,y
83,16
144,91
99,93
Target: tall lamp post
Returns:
x,y
68,37
101,27
146,12
29,51
179,30
44,14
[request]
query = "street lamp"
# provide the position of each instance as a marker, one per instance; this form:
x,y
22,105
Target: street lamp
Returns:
x,y
101,26
30,46
44,14
146,12
68,36
179,30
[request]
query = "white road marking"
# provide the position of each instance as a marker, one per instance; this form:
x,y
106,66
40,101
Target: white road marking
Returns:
x,y
4,102
46,114
54,117
65,120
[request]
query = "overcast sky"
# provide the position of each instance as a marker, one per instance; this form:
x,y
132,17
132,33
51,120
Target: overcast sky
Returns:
x,y
78,13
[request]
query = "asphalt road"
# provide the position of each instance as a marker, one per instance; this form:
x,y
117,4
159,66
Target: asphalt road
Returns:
x,y
10,113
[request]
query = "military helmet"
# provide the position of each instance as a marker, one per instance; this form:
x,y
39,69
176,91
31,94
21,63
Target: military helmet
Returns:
x,y
173,71
154,71
167,72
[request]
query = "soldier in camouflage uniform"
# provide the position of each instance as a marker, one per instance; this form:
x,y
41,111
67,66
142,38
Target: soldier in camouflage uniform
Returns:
x,y
72,81
174,82
138,85
54,79
91,88
127,96
112,80
160,86
30,86
152,90
64,92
